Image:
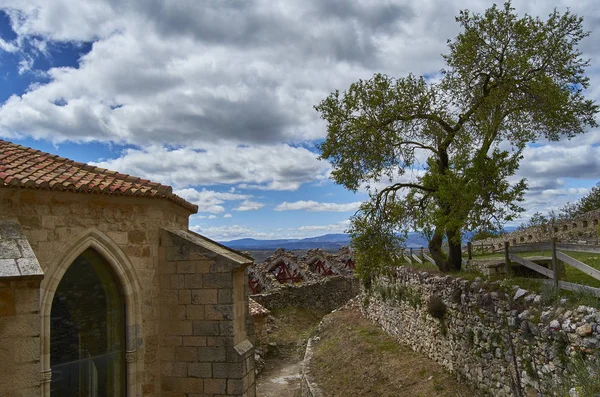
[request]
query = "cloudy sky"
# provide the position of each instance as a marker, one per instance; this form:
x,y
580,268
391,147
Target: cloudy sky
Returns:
x,y
216,97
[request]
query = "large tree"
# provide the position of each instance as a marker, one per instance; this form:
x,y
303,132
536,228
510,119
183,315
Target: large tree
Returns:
x,y
445,147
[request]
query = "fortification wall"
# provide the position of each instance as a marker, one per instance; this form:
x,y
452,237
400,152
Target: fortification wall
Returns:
x,y
326,294
583,228
490,337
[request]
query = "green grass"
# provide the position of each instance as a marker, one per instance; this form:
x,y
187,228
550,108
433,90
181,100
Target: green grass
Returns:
x,y
571,274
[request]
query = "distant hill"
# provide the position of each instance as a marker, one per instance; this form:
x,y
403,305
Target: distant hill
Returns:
x,y
326,242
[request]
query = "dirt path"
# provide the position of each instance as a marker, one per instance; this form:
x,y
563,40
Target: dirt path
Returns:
x,y
280,378
289,330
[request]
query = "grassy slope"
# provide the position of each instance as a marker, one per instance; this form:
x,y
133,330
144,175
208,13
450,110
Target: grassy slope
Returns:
x,y
354,357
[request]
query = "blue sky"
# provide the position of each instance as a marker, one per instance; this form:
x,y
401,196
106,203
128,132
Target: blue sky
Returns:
x,y
216,98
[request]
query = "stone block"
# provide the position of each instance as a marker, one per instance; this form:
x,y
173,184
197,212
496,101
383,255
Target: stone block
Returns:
x,y
192,385
194,341
225,296
220,265
178,253
194,281
29,267
9,249
7,302
20,325
216,341
195,312
203,267
218,280
186,353
215,386
27,300
228,370
226,328
235,386
186,267
136,237
177,281
200,370
185,297
211,354
218,312
170,341
204,296
180,327
206,328
27,349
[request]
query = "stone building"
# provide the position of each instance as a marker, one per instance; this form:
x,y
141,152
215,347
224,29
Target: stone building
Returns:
x,y
105,292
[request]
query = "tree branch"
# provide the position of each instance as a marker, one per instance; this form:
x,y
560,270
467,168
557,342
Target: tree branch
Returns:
x,y
418,144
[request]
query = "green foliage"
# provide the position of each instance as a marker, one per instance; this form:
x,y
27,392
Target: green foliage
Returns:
x,y
436,307
508,79
537,219
482,234
589,202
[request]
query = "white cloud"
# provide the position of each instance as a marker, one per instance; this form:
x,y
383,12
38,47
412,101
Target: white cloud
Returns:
x,y
270,167
339,227
314,206
248,205
223,233
209,200
227,216
182,74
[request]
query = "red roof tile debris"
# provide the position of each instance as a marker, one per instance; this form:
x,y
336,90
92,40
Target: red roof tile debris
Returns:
x,y
256,309
24,167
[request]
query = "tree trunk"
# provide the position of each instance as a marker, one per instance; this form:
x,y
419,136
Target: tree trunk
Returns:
x,y
437,254
455,250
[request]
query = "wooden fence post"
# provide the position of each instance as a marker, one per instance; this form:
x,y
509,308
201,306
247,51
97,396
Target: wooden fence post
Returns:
x,y
470,250
554,263
411,254
506,258
422,256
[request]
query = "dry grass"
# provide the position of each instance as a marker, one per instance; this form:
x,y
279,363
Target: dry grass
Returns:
x,y
356,358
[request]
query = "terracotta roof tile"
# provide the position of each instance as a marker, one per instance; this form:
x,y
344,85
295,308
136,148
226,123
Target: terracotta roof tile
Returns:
x,y
24,167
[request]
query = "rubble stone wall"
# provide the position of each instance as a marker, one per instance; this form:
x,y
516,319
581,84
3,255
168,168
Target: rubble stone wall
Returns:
x,y
327,294
583,229
482,326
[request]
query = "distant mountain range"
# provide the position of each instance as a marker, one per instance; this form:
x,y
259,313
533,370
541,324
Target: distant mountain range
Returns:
x,y
326,242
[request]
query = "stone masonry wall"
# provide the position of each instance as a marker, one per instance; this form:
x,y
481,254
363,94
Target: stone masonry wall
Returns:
x,y
203,352
483,324
326,294
51,220
20,341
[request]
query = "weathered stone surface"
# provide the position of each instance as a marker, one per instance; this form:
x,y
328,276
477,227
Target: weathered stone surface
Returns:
x,y
476,340
327,294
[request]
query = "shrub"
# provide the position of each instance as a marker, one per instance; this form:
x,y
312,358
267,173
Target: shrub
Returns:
x,y
436,307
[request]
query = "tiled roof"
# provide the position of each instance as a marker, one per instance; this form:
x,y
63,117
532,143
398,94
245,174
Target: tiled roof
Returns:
x,y
24,167
256,309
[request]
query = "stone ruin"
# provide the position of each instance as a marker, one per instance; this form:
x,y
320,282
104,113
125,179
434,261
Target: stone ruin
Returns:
x,y
285,267
582,229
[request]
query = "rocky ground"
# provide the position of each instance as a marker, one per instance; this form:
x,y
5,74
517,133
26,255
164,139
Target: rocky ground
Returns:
x,y
288,330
